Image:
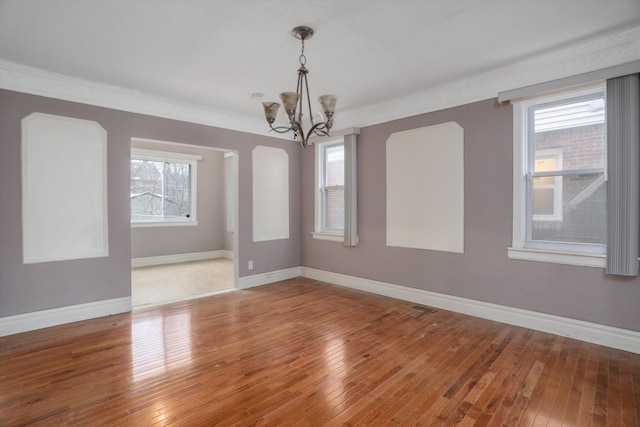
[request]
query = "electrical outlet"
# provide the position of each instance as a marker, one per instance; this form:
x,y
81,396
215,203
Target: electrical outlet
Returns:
x,y
250,266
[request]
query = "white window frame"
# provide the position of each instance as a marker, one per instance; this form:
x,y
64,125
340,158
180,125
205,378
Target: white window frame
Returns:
x,y
166,156
321,232
590,255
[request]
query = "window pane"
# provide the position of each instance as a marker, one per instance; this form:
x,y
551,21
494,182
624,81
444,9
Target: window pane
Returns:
x,y
177,191
332,190
543,200
334,158
546,163
334,208
583,218
146,190
160,190
547,190
574,129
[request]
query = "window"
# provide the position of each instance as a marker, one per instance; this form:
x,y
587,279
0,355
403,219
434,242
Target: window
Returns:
x,y
336,204
163,188
330,199
560,178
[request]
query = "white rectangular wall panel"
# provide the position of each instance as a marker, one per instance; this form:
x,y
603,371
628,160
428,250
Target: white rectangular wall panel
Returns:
x,y
64,189
270,193
425,188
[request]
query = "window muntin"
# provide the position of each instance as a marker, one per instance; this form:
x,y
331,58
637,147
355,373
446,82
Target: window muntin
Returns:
x,y
162,189
561,185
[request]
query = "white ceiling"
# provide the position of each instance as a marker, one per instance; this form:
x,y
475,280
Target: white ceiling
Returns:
x,y
371,53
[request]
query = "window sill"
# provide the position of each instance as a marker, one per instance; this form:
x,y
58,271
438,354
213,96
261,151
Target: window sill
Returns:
x,y
328,236
569,258
162,224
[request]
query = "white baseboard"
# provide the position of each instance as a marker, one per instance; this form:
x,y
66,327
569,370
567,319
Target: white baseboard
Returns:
x,y
58,316
269,277
609,336
171,259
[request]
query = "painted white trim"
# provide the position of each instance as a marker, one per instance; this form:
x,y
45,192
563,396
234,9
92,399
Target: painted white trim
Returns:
x,y
579,254
185,223
35,81
228,172
622,339
247,282
143,153
320,177
577,80
544,255
606,50
335,134
172,259
58,316
319,235
171,157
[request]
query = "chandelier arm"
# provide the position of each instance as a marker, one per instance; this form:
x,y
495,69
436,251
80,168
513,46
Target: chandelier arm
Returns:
x,y
299,130
282,129
320,129
306,85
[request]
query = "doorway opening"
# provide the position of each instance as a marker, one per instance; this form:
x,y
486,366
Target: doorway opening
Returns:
x,y
183,221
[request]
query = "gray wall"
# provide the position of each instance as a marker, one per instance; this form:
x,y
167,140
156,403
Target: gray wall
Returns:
x,y
483,272
209,234
33,287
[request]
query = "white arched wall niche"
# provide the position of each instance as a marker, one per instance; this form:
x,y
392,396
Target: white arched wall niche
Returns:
x,y
425,188
270,168
64,189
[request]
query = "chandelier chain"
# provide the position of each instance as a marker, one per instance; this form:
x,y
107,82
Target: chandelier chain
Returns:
x,y
302,59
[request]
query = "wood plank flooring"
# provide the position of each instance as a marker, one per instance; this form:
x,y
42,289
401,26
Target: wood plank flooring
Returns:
x,y
304,353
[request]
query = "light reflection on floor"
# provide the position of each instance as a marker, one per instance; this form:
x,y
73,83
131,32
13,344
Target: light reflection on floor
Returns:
x,y
334,358
160,344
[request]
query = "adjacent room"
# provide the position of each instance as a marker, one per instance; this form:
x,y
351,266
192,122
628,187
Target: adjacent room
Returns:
x,y
274,212
181,232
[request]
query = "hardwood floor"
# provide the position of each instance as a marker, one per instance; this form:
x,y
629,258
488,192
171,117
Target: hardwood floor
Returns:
x,y
300,352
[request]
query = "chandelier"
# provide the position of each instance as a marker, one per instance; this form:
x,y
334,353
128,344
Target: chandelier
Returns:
x,y
294,101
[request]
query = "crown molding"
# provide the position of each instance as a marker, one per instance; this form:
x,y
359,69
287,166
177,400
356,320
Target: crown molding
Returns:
x,y
35,81
606,50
